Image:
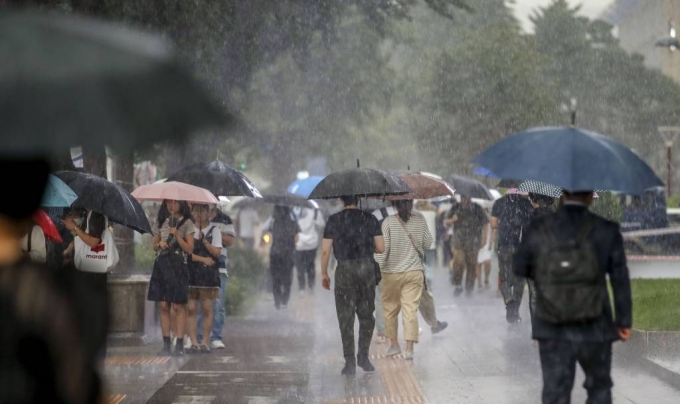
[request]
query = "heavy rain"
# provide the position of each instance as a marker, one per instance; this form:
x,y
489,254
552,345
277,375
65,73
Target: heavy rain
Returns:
x,y
339,201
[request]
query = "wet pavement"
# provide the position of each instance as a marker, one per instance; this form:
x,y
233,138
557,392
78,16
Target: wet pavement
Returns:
x,y
294,356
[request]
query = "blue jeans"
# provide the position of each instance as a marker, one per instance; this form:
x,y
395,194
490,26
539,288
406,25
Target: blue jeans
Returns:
x,y
218,313
379,316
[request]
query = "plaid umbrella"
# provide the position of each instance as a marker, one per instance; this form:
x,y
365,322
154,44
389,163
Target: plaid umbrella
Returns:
x,y
541,188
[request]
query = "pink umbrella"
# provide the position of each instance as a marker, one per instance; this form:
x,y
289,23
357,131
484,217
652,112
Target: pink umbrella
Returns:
x,y
424,186
176,191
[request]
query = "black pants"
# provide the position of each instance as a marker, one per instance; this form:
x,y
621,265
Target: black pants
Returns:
x,y
281,267
306,271
90,291
558,361
355,294
512,286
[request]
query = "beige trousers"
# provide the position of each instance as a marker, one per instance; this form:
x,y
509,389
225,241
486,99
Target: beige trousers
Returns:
x,y
402,292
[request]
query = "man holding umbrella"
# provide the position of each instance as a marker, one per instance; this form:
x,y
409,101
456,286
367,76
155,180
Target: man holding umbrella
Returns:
x,y
354,236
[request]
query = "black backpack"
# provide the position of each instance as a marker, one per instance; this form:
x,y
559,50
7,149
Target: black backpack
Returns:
x,y
569,284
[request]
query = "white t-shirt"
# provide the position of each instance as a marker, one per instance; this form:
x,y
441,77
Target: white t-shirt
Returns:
x,y
216,235
311,224
225,229
247,222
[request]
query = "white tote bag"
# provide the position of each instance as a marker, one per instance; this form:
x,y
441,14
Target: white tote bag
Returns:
x,y
99,259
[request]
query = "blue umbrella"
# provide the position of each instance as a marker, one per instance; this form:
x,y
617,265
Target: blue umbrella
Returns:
x,y
304,187
570,158
57,194
484,172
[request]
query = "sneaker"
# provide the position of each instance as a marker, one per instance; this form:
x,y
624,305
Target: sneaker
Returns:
x,y
457,291
217,344
187,343
441,326
350,368
393,351
365,364
204,349
408,355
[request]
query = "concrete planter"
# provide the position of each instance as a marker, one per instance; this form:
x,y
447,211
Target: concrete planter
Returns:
x,y
656,351
132,316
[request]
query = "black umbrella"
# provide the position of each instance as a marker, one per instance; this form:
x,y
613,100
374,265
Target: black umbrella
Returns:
x,y
218,178
360,182
69,81
508,183
469,187
290,200
102,196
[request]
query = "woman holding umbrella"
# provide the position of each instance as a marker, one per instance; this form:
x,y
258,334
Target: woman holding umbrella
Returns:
x,y
284,231
173,240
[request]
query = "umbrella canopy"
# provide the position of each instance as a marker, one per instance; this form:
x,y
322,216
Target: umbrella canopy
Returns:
x,y
57,194
218,178
42,219
289,200
508,183
570,158
541,188
484,172
359,182
305,186
176,191
424,186
469,187
102,196
77,81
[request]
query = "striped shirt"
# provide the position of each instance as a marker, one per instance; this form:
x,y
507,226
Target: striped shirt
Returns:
x,y
400,255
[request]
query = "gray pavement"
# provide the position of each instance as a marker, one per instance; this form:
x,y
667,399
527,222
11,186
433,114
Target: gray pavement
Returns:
x,y
294,356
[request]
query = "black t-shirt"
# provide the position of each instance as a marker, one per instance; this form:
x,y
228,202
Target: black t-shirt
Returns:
x,y
467,230
513,213
352,232
283,235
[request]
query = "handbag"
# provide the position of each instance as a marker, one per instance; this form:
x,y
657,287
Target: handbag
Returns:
x,y
98,259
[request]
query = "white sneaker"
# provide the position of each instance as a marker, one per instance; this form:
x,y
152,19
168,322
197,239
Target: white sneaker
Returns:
x,y
393,351
217,344
187,343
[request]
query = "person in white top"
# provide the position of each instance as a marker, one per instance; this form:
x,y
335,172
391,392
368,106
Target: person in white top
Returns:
x,y
311,227
247,222
484,258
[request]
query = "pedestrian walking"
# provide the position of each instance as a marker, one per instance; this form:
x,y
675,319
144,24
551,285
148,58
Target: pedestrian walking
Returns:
x,y
469,220
406,238
509,216
204,277
311,227
543,205
284,230
354,236
224,223
569,254
173,241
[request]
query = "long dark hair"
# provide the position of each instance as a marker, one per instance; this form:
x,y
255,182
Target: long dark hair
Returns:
x,y
281,214
164,213
404,208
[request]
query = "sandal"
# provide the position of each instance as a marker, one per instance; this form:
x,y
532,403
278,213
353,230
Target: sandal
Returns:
x,y
204,349
193,350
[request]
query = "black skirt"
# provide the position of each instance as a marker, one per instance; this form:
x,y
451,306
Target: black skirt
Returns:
x,y
169,279
203,276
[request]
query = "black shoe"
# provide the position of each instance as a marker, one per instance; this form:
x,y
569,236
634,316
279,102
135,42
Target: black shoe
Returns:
x,y
441,326
350,368
179,351
365,364
457,291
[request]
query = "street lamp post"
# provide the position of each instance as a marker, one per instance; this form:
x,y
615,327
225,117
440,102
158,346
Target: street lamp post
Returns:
x,y
668,135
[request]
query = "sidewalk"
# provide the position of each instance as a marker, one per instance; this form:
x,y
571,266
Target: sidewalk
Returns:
x,y
295,356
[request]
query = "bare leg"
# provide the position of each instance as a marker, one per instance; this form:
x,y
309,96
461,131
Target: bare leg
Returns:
x,y
478,270
409,346
180,314
191,321
487,273
165,318
207,312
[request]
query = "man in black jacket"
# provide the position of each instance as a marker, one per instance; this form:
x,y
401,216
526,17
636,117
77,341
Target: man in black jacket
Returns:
x,y
589,343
